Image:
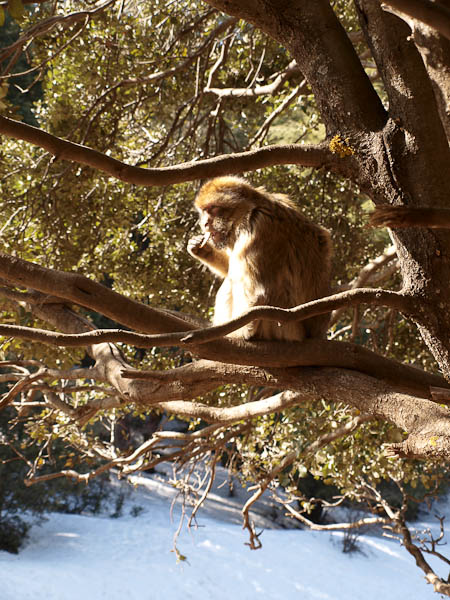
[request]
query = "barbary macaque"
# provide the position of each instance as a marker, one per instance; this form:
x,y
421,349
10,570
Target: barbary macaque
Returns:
x,y
267,252
404,216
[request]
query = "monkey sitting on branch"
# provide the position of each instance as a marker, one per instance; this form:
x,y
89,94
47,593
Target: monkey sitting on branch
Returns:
x,y
267,252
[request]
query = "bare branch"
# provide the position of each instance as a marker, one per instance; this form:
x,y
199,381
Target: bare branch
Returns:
x,y
314,155
232,414
440,586
364,522
260,90
254,537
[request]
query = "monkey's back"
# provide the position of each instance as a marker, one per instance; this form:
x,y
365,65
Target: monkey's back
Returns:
x,y
294,267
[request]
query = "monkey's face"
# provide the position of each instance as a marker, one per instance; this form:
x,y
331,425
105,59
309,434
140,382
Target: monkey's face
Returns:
x,y
217,223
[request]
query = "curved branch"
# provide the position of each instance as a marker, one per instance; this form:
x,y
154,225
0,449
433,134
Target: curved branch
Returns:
x,y
433,14
248,410
313,155
260,90
426,422
377,297
80,290
369,274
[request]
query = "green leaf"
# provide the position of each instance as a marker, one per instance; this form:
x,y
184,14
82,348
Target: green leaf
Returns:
x,y
2,17
16,9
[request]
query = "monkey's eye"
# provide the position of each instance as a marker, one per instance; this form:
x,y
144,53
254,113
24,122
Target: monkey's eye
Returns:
x,y
214,211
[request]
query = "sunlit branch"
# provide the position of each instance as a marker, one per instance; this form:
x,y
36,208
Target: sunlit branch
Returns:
x,y
260,90
376,297
433,14
186,338
262,131
314,155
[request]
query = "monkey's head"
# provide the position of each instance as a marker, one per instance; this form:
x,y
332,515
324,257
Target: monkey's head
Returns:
x,y
224,204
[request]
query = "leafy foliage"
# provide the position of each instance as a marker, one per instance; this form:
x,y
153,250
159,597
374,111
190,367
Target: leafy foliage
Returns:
x,y
145,99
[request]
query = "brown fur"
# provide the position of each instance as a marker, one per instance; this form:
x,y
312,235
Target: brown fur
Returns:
x,y
268,252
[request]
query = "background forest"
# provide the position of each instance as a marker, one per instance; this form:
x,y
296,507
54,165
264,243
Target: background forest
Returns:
x,y
156,84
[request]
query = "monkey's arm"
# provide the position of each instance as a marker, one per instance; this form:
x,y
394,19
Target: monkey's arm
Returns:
x,y
402,216
216,260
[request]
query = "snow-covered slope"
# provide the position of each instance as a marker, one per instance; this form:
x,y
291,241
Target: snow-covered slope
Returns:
x,y
75,557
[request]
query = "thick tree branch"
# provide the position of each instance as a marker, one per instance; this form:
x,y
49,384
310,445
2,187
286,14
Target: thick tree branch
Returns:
x,y
433,14
310,30
316,156
80,290
426,422
406,304
412,104
435,52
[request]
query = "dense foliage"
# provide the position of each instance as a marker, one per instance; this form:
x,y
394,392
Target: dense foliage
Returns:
x,y
137,81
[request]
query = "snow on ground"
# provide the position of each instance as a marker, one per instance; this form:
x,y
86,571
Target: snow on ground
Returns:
x,y
77,557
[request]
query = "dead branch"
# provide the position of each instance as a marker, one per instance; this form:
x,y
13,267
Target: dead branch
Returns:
x,y
260,90
364,522
254,542
440,586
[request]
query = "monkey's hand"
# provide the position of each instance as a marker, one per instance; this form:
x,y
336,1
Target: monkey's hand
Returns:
x,y
199,247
